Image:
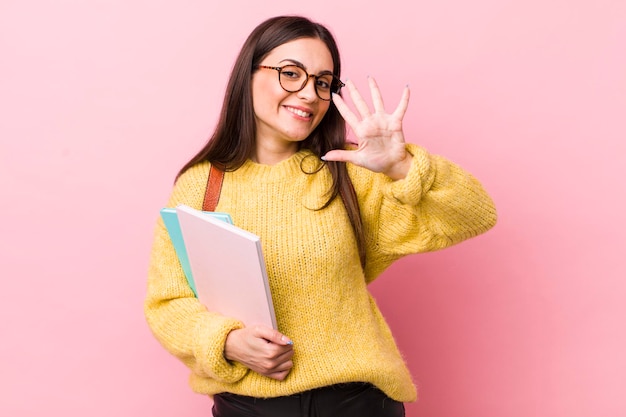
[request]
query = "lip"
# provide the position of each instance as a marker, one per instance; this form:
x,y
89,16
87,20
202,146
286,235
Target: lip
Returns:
x,y
306,110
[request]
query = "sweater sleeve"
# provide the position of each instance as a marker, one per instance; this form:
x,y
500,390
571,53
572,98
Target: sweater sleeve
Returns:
x,y
436,205
177,319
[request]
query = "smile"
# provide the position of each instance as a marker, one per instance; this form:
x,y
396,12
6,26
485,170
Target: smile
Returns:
x,y
299,112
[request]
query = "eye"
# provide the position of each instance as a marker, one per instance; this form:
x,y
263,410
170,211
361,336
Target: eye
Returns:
x,y
324,82
291,72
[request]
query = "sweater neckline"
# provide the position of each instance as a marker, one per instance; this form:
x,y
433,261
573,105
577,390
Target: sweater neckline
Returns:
x,y
285,169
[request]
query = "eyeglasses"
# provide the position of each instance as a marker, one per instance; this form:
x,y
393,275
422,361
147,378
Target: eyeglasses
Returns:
x,y
293,78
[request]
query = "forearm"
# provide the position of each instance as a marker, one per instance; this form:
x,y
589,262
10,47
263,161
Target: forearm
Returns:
x,y
436,205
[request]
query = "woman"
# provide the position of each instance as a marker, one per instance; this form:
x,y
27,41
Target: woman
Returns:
x,y
331,216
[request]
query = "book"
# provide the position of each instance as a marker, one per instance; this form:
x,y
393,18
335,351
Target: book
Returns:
x,y
170,218
228,267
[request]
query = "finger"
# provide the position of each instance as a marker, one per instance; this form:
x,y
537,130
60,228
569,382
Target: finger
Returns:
x,y
272,335
285,366
276,354
339,155
357,99
267,366
403,105
345,111
377,98
276,372
285,355
279,375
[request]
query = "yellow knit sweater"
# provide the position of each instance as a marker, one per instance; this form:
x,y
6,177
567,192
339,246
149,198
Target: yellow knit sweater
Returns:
x,y
318,287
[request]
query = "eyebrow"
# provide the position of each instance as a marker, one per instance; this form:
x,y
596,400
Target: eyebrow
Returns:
x,y
301,65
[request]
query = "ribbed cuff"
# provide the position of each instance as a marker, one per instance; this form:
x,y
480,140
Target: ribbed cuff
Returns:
x,y
419,179
210,358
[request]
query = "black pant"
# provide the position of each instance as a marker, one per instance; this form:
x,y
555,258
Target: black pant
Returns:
x,y
343,400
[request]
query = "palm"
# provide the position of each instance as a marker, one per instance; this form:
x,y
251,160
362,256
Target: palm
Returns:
x,y
379,138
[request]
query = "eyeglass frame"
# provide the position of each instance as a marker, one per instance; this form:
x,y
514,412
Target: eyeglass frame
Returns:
x,y
340,84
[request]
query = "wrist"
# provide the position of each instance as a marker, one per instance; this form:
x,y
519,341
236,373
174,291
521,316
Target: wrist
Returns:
x,y
230,345
400,169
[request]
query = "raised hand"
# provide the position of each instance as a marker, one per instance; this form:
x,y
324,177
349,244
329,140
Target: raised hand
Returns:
x,y
379,137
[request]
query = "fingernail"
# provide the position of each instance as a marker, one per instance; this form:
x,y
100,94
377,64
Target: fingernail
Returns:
x,y
323,157
290,342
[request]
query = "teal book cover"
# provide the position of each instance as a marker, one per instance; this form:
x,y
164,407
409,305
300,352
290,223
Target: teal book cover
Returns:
x,y
170,218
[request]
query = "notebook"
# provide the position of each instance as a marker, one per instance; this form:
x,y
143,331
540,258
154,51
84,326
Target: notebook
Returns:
x,y
170,218
228,268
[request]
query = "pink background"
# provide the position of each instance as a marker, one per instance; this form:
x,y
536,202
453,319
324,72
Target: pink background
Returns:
x,y
103,101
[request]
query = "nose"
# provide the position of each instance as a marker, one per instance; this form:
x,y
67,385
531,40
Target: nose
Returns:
x,y
308,92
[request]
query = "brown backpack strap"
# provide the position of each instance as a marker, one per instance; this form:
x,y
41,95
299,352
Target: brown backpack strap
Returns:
x,y
213,188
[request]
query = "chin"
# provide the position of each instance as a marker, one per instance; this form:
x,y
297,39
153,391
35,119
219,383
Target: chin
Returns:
x,y
297,137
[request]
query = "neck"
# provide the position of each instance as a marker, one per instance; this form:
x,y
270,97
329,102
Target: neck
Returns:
x,y
271,155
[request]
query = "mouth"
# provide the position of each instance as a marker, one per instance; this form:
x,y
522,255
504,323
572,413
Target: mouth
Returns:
x,y
299,112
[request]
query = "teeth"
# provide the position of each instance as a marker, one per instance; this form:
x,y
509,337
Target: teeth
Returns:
x,y
299,112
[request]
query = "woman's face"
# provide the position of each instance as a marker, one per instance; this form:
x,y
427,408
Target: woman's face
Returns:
x,y
283,118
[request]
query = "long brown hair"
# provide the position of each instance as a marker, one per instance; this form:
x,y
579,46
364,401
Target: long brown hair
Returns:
x,y
234,138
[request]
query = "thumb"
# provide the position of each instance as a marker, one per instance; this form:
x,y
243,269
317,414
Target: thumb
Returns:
x,y
338,155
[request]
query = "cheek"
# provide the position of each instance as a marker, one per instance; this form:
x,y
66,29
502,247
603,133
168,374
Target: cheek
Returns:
x,y
262,93
267,98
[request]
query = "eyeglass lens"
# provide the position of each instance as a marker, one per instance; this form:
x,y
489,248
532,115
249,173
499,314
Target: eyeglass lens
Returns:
x,y
293,78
